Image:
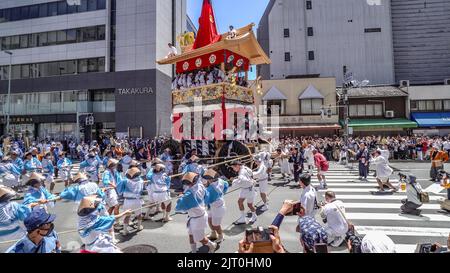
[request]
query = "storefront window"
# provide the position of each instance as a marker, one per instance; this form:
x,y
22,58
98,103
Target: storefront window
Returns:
x,y
446,104
57,131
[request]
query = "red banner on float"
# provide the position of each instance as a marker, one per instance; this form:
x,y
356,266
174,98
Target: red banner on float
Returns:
x,y
212,59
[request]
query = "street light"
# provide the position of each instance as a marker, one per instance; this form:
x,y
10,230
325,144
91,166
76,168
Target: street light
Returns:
x,y
348,84
9,89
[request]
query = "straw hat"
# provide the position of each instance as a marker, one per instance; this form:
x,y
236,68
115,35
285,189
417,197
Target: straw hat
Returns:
x,y
6,193
79,177
159,167
210,174
157,161
189,178
133,172
34,178
87,205
134,163
112,162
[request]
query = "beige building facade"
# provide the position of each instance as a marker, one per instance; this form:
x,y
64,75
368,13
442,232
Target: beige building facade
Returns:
x,y
307,107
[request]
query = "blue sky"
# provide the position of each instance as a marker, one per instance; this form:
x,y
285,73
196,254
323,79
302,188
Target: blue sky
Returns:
x,y
238,13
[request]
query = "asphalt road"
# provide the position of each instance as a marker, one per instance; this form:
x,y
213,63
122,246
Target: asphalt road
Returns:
x,y
366,211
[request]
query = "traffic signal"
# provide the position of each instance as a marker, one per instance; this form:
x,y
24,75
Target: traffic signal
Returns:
x,y
90,120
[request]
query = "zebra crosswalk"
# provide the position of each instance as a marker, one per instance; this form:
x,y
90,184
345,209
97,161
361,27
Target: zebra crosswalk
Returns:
x,y
369,212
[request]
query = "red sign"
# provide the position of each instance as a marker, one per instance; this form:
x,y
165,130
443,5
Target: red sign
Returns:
x,y
213,59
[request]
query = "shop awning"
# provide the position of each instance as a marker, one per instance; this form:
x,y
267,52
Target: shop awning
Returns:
x,y
306,127
311,93
437,119
381,123
274,94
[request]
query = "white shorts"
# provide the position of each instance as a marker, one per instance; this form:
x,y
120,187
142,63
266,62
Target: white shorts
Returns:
x,y
158,197
216,215
248,194
263,186
48,178
133,204
65,175
197,226
93,178
111,198
322,172
383,179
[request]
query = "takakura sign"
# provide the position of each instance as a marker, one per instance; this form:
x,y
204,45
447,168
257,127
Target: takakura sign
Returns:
x,y
135,91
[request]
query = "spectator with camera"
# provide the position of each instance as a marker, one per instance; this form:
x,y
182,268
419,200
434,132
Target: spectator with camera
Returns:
x,y
308,195
312,234
272,244
333,215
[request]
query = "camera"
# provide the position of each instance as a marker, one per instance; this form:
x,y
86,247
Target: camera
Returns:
x,y
259,234
260,237
296,209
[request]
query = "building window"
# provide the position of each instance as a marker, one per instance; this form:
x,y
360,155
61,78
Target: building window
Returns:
x,y
42,39
15,42
52,9
62,8
286,33
446,104
287,56
366,110
68,67
273,105
34,11
49,9
82,66
23,41
311,106
52,38
311,55
308,4
430,105
61,36
379,110
310,31
101,4
85,34
437,105
370,30
101,33
83,7
25,12
92,5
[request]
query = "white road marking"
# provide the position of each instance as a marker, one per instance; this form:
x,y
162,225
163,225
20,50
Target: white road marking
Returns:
x,y
406,231
397,217
386,206
379,197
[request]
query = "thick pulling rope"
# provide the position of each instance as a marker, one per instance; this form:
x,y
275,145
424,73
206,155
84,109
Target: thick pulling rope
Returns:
x,y
152,204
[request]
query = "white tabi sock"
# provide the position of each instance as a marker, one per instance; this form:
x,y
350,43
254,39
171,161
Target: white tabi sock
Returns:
x,y
242,213
210,244
194,248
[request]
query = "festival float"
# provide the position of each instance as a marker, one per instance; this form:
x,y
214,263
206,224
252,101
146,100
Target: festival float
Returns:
x,y
225,100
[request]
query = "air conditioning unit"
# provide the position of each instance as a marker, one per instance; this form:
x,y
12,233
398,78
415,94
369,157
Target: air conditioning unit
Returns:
x,y
389,114
447,81
404,83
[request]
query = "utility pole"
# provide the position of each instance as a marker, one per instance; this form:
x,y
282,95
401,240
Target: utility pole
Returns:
x,y
9,90
346,113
